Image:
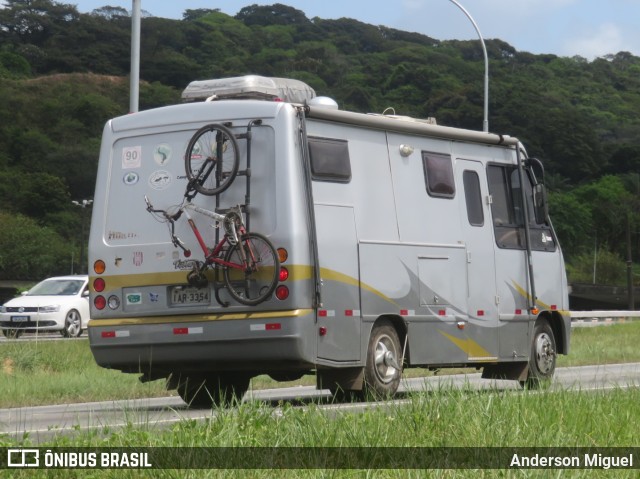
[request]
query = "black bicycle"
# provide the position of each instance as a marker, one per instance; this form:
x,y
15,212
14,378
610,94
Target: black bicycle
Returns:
x,y
212,159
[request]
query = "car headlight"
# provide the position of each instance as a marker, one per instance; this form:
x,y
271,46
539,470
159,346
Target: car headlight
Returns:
x,y
3,309
54,308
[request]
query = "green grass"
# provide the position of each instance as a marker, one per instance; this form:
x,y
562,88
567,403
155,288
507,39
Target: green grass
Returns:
x,y
437,418
444,418
49,372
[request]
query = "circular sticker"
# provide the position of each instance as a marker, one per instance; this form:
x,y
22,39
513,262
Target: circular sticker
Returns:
x,y
130,178
159,180
196,151
162,154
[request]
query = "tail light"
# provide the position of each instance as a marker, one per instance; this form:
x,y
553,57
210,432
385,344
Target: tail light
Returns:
x,y
99,302
284,274
282,292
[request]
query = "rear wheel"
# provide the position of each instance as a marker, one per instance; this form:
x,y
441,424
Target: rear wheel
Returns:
x,y
215,390
12,333
212,159
542,362
383,370
258,277
72,325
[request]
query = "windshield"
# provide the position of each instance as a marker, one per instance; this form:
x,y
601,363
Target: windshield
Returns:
x,y
57,287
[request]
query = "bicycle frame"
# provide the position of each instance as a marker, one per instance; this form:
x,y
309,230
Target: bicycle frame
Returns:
x,y
211,255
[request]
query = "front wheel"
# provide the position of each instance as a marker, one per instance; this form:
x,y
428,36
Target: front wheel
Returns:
x,y
542,362
72,325
212,159
383,370
255,275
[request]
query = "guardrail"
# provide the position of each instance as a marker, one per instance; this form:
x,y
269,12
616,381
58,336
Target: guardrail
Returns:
x,y
604,314
601,318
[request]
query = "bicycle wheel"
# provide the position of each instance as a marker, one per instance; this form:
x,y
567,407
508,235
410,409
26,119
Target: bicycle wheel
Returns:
x,y
255,282
211,160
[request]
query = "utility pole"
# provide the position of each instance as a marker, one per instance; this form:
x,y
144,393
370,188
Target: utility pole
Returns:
x,y
136,13
630,298
485,122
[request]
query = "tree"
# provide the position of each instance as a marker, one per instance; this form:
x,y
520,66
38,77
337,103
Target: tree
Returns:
x,y
29,251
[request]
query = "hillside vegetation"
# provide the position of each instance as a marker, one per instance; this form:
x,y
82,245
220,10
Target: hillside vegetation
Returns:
x,y
63,74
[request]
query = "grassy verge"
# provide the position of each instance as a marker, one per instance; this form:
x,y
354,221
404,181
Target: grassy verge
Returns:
x,y
47,372
445,418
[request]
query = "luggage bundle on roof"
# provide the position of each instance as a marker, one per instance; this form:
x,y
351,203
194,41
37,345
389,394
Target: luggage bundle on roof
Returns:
x,y
251,87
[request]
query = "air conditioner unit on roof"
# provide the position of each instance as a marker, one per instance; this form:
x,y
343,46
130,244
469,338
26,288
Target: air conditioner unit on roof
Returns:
x,y
249,87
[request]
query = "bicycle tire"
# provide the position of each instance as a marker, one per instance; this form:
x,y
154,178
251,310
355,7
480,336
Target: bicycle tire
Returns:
x,y
252,286
201,159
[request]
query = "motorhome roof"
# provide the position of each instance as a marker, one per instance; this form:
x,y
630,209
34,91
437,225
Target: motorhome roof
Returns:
x,y
409,125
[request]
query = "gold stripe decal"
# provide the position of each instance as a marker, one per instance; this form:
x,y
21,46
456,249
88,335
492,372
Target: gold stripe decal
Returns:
x,y
332,275
470,347
198,318
525,294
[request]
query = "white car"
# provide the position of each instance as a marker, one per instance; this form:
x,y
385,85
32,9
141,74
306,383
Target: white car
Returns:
x,y
55,304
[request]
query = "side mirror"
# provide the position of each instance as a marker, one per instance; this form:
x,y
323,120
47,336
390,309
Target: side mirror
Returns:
x,y
540,205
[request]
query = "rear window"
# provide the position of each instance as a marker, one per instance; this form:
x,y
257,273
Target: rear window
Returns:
x,y
330,160
438,173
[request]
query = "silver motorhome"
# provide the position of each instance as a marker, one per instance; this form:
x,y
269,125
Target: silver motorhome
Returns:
x,y
402,244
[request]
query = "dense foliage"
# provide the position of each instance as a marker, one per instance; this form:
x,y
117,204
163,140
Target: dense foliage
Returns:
x,y
63,75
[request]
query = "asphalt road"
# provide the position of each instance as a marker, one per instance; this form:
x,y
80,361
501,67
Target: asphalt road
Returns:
x,y
44,422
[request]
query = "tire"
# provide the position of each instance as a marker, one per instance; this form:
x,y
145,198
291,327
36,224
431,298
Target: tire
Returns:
x,y
205,173
542,361
12,333
203,392
383,370
256,283
72,325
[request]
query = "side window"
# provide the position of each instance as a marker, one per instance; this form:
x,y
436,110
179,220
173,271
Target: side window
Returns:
x,y
473,197
508,214
438,174
330,160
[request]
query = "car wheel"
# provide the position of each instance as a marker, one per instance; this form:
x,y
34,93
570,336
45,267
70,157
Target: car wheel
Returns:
x,y
72,325
12,333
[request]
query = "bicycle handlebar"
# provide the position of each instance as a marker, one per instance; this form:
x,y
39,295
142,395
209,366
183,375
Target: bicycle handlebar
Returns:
x,y
164,213
177,242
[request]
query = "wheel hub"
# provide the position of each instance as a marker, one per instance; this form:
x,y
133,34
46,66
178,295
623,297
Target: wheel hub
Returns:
x,y
545,354
385,361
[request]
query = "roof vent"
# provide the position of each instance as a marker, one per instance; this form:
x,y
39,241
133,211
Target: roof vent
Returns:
x,y
251,87
324,102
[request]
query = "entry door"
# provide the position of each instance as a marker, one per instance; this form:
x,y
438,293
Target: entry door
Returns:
x,y
475,218
339,318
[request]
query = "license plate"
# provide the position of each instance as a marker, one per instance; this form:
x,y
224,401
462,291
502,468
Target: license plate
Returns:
x,y
19,319
181,296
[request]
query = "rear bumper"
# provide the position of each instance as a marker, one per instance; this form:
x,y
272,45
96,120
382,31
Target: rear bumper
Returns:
x,y
255,342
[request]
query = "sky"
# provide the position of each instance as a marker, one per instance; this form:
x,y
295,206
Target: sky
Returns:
x,y
588,28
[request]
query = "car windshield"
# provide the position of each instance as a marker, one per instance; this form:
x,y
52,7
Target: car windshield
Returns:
x,y
56,287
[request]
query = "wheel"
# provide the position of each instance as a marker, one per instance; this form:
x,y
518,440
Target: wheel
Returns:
x,y
12,333
383,370
286,376
542,361
253,284
212,159
209,391
72,325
